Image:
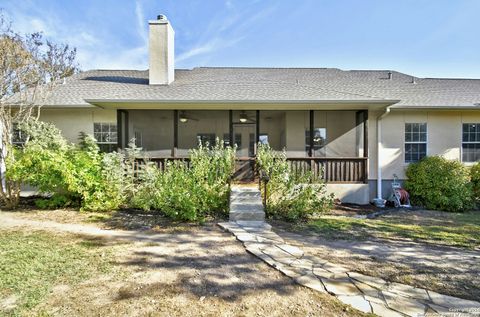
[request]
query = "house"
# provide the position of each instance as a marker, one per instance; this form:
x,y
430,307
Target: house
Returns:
x,y
360,127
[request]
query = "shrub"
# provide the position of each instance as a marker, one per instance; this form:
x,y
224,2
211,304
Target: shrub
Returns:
x,y
475,180
42,162
290,196
72,175
188,192
440,184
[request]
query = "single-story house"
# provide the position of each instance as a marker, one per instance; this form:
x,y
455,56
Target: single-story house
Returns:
x,y
360,127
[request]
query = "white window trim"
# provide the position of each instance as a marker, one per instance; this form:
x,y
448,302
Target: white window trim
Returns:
x,y
415,142
468,142
109,123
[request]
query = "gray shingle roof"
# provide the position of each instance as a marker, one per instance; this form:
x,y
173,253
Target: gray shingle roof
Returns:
x,y
268,84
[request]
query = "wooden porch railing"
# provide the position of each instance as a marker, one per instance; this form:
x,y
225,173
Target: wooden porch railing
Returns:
x,y
332,169
329,169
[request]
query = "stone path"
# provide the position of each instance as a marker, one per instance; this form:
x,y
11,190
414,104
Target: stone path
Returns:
x,y
365,293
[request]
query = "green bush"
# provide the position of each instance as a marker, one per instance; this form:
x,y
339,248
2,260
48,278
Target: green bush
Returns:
x,y
290,196
439,184
188,193
73,175
475,180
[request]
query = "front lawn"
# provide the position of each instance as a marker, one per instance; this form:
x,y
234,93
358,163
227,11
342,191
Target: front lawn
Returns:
x,y
32,262
186,270
453,229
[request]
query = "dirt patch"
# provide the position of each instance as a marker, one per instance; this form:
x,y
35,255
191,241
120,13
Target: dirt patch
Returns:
x,y
200,273
351,210
444,269
196,271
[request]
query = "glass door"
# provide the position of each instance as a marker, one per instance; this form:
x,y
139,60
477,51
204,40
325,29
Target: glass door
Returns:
x,y
244,139
244,129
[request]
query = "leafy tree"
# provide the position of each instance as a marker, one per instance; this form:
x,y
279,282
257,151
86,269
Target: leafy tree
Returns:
x,y
30,68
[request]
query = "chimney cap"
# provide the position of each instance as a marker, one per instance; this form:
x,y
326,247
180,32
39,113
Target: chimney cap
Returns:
x,y
161,17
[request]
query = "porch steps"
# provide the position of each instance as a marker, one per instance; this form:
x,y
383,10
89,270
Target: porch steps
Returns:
x,y
246,206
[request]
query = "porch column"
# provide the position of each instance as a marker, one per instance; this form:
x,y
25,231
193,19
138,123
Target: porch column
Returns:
x,y
175,133
119,129
257,130
365,133
230,128
312,133
365,144
122,128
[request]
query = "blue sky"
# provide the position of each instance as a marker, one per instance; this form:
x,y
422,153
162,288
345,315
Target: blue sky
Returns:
x,y
425,38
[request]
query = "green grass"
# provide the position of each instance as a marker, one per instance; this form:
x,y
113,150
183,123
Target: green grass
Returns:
x,y
31,263
461,230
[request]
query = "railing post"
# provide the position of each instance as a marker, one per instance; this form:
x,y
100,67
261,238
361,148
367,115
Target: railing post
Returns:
x,y
312,171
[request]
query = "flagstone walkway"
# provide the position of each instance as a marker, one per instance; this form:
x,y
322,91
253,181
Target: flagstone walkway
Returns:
x,y
365,293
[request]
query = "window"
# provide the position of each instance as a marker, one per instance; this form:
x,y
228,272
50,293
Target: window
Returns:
x,y
470,142
18,136
106,135
238,140
319,139
415,142
263,138
206,138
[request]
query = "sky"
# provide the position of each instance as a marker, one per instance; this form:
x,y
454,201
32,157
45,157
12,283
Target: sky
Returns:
x,y
424,38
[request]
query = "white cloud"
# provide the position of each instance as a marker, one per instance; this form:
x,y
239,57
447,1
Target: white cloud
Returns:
x,y
223,31
94,49
208,47
141,22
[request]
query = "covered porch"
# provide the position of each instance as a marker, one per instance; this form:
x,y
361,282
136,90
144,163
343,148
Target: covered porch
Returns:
x,y
333,144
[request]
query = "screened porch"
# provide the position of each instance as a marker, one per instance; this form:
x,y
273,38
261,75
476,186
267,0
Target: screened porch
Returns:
x,y
332,144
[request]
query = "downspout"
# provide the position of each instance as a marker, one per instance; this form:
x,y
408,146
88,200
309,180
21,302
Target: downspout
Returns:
x,y
379,143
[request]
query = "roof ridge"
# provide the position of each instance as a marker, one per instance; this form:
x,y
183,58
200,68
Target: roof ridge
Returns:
x,y
254,67
450,78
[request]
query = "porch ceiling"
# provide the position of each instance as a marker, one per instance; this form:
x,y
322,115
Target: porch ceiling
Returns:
x,y
245,105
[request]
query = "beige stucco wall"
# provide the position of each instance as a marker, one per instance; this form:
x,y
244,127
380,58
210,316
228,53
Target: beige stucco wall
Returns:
x,y
350,193
73,121
444,137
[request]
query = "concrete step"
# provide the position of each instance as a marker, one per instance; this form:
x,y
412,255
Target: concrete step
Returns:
x,y
246,216
246,205
240,206
245,195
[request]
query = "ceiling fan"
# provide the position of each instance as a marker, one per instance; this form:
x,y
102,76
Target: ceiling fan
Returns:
x,y
183,117
244,118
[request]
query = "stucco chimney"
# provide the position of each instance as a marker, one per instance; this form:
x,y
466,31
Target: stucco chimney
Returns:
x,y
161,51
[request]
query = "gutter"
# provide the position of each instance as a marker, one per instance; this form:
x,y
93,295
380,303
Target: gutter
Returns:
x,y
379,144
244,101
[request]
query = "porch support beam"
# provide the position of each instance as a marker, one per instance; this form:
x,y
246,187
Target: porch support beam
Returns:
x,y
257,129
365,133
119,129
175,133
365,144
122,128
127,137
312,133
230,128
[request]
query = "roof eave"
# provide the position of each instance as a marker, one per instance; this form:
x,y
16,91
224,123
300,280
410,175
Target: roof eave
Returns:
x,y
242,104
436,108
